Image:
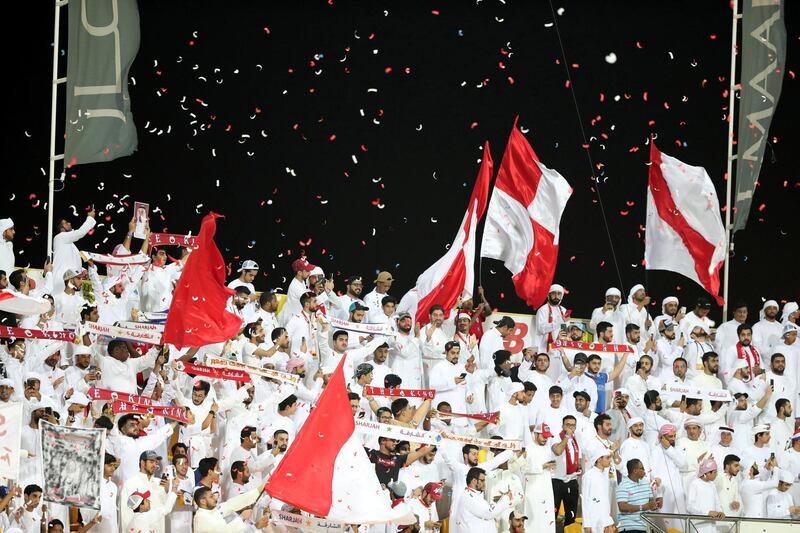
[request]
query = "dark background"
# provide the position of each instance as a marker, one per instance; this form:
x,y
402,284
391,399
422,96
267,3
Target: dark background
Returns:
x,y
294,75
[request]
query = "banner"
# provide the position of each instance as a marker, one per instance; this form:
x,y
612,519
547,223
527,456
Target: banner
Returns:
x,y
218,362
134,335
483,443
24,333
72,463
427,394
210,372
10,435
172,239
112,395
364,329
377,429
20,304
142,326
488,417
167,411
763,67
103,41
606,352
306,523
117,260
714,395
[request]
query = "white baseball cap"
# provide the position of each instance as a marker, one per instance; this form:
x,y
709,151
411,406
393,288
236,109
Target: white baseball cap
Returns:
x,y
249,264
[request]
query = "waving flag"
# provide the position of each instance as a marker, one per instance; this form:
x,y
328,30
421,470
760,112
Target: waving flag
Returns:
x,y
453,275
198,314
523,219
684,230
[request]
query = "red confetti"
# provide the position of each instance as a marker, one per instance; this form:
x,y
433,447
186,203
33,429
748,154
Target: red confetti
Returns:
x,y
624,213
762,207
510,80
473,125
387,70
434,12
332,137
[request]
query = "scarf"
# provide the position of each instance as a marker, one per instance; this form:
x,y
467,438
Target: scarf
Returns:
x,y
400,393
740,353
573,454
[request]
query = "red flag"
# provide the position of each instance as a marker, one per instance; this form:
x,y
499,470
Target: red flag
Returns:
x,y
198,315
453,275
523,219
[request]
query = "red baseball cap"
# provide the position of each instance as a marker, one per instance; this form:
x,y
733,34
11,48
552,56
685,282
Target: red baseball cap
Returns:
x,y
434,489
302,264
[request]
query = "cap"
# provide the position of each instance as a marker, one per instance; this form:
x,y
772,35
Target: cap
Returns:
x,y
632,421
397,487
583,394
136,499
249,264
738,395
358,306
599,452
78,398
6,383
668,323
383,277
576,325
149,455
69,274
786,476
516,515
363,369
796,435
463,315
402,314
580,358
516,387
302,264
434,489
703,302
506,321
317,271
544,429
789,327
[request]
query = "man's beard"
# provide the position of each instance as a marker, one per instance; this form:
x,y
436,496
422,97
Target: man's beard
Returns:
x,y
404,329
302,375
554,301
282,448
505,372
637,434
745,342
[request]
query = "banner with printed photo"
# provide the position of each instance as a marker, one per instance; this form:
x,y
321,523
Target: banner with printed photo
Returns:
x,y
72,464
10,434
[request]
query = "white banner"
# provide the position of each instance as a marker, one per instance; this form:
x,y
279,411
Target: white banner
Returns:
x,y
306,523
142,326
134,335
714,395
10,434
377,429
117,260
218,362
365,329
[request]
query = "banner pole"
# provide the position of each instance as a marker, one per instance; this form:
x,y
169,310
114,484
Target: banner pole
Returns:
x,y
729,168
53,114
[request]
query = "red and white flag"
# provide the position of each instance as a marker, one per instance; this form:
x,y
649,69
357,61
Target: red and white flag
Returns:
x,y
19,304
453,275
326,471
523,219
684,230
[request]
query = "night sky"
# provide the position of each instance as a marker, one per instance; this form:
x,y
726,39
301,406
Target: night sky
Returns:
x,y
351,132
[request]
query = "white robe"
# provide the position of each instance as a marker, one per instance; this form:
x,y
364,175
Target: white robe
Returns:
x,y
596,499
490,343
539,503
702,499
666,465
405,358
66,255
476,515
547,325
767,334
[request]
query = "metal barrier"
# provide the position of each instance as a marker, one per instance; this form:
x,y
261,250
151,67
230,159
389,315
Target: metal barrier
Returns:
x,y
740,524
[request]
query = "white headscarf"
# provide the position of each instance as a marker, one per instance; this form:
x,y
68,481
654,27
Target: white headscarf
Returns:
x,y
5,223
768,303
633,291
665,301
555,287
788,309
613,291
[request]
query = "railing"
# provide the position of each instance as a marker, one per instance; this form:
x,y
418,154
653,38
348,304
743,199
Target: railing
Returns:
x,y
738,524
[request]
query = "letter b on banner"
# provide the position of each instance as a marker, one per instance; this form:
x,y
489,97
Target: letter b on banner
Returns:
x,y
514,342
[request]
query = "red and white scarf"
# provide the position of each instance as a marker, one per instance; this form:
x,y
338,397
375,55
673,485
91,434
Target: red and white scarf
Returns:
x,y
754,360
573,454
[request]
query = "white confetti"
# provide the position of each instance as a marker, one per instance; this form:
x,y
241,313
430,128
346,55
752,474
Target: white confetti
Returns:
x,y
611,58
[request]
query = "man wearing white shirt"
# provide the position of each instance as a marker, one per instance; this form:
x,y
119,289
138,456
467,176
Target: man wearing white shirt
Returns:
x,y
635,447
726,335
405,353
553,414
129,445
432,340
247,274
268,304
577,380
7,245
767,331
608,313
744,350
354,286
550,317
635,310
374,299
538,376
119,369
514,421
65,254
790,348
669,311
475,514
305,327
697,317
781,426
297,288
642,381
668,348
379,367
756,486
780,504
467,341
492,341
69,302
697,345
783,385
727,485
708,378
108,500
449,379
424,508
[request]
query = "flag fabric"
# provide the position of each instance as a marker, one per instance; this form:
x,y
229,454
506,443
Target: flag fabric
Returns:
x,y
10,439
198,314
72,462
763,67
103,42
20,304
453,275
684,231
522,222
326,471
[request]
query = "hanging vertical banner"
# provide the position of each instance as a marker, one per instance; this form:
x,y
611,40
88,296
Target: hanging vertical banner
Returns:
x,y
72,463
763,66
103,42
10,435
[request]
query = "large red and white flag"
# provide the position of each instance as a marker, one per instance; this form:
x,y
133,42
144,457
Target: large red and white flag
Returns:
x,y
684,230
453,275
523,219
326,471
19,304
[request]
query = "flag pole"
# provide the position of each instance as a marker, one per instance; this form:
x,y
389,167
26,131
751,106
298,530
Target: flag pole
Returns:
x,y
53,114
731,157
